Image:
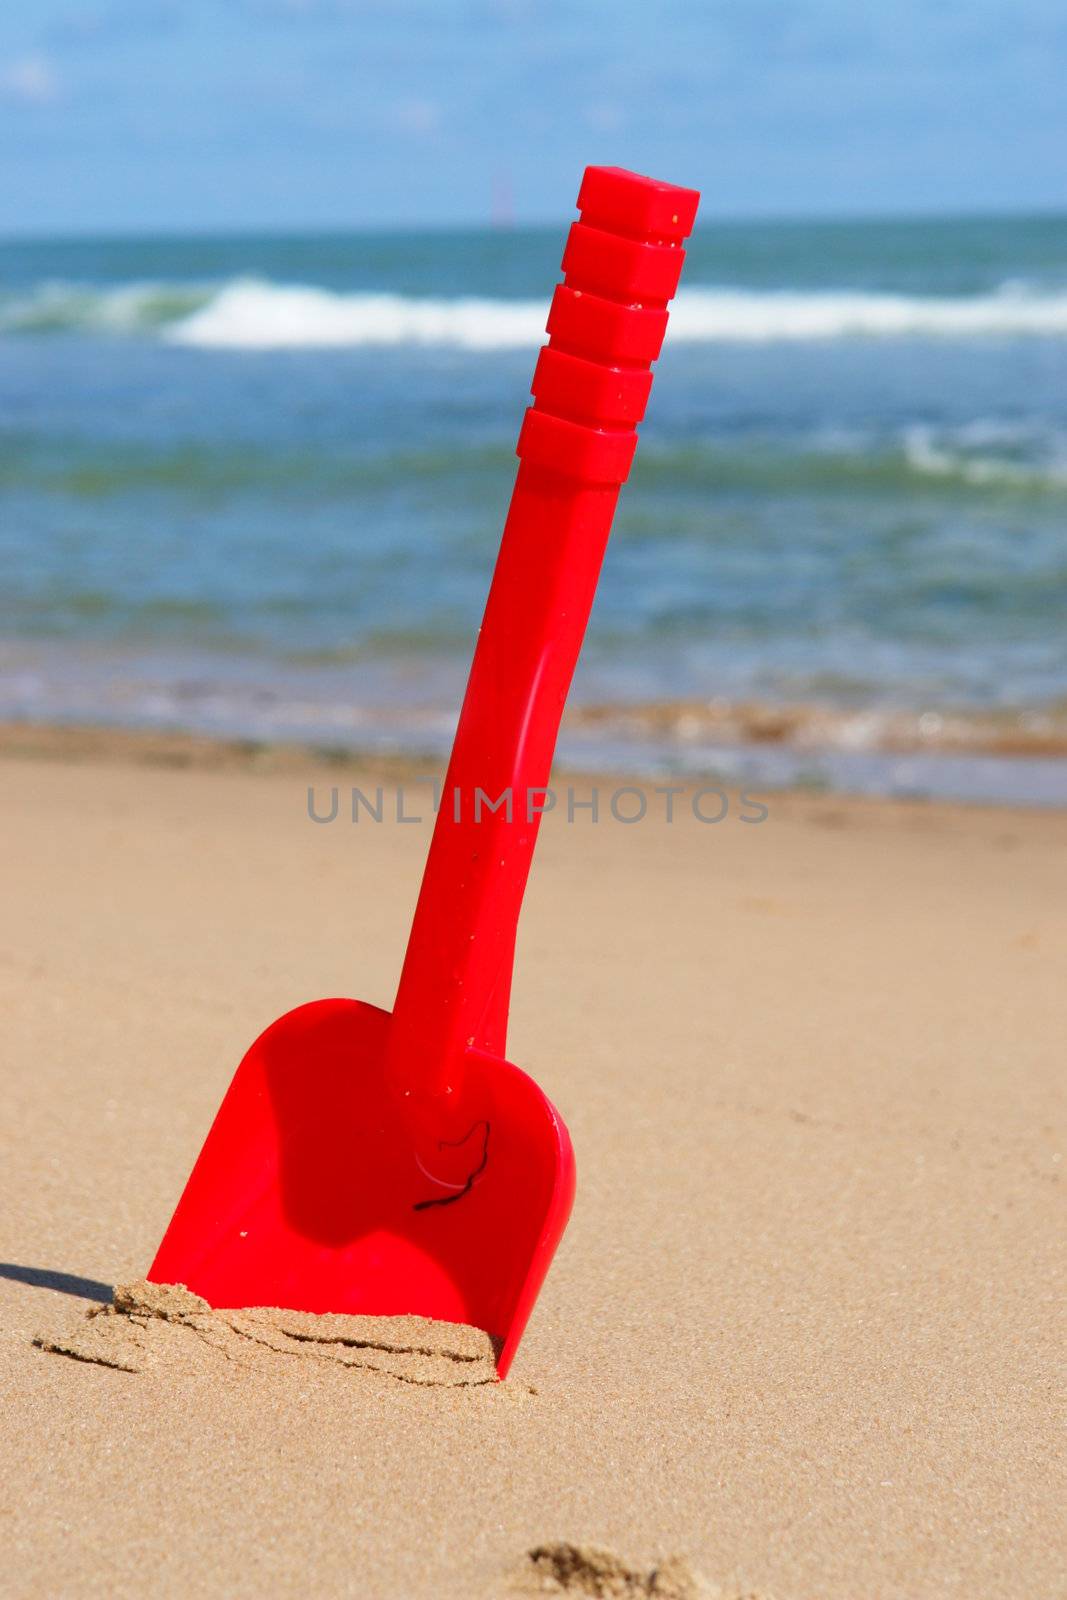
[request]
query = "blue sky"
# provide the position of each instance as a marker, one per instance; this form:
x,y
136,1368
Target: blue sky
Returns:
x,y
144,114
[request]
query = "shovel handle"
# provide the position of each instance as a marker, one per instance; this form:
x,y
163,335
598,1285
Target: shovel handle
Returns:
x,y
590,387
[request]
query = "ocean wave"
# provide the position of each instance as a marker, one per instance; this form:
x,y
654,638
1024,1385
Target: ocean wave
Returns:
x,y
1024,459
970,457
875,747
1017,732
60,307
250,315
254,315
1020,460
258,314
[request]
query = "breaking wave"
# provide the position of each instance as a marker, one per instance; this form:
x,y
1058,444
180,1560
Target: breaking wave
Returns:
x,y
257,314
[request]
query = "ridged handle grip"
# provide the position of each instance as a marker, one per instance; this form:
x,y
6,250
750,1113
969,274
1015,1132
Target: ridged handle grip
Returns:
x,y
606,325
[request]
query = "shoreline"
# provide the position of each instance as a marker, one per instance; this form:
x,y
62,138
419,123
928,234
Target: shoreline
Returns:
x,y
188,750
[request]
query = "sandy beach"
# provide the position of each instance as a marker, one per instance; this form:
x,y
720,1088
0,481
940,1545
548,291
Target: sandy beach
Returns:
x,y
802,1335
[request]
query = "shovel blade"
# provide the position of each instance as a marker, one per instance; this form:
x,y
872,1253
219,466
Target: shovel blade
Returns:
x,y
319,1189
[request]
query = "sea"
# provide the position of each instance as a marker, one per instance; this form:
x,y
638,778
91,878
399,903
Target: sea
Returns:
x,y
253,486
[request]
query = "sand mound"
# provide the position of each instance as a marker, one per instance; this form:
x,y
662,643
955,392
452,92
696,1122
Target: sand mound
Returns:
x,y
580,1569
151,1322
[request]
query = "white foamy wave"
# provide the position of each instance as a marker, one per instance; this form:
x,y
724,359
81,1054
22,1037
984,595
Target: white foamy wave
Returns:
x,y
256,314
987,455
740,316
253,315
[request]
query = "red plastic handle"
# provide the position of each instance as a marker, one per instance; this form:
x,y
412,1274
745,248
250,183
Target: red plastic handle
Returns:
x,y
590,388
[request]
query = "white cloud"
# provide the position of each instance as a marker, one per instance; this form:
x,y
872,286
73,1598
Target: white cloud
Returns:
x,y
32,80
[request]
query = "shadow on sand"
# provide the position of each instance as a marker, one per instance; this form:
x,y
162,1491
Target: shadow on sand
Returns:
x,y
61,1282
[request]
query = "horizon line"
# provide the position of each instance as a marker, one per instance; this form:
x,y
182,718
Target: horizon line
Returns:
x,y
1041,212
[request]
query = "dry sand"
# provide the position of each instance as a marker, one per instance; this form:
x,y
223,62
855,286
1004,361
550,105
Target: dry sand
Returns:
x,y
802,1337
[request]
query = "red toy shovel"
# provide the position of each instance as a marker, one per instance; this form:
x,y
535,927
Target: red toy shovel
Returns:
x,y
377,1162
